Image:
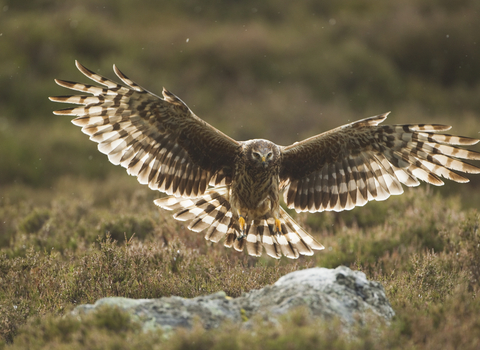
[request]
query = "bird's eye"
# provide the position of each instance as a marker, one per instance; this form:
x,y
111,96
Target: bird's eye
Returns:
x,y
269,155
256,155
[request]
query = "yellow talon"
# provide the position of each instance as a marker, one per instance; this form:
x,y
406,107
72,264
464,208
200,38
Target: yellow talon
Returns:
x,y
241,222
278,226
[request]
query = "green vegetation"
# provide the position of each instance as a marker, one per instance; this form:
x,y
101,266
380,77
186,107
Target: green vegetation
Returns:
x,y
74,228
55,255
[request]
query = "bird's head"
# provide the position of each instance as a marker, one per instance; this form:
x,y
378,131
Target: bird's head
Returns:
x,y
261,153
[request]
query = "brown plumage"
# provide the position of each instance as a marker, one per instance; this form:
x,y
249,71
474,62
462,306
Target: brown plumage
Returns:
x,y
232,189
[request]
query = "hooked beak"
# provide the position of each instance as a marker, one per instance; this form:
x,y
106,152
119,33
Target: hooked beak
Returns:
x,y
264,163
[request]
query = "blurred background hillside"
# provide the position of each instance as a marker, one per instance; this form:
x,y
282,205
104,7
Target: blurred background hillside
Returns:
x,y
273,69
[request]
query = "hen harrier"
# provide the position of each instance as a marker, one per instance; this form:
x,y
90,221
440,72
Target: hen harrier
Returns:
x,y
232,188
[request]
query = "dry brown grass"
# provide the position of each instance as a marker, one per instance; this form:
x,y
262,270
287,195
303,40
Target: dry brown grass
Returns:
x,y
422,247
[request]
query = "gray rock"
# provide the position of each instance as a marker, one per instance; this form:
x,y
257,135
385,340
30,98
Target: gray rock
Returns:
x,y
169,313
325,293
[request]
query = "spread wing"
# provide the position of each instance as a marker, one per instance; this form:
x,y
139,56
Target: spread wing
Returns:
x,y
161,141
362,161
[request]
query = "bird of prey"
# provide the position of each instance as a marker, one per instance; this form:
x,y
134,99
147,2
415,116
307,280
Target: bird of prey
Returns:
x,y
232,188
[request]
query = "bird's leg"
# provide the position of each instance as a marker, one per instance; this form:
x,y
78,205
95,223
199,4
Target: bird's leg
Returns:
x,y
241,222
278,226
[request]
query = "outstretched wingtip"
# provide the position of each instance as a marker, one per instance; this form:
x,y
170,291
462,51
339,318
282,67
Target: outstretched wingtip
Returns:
x,y
87,72
127,80
122,76
79,65
371,121
117,71
172,98
384,115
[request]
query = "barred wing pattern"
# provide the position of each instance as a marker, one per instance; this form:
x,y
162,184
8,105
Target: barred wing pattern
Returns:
x,y
158,140
169,148
164,144
362,161
212,212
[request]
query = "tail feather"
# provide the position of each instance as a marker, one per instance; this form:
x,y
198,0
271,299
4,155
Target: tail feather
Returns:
x,y
239,244
212,212
254,239
261,235
306,238
220,228
231,238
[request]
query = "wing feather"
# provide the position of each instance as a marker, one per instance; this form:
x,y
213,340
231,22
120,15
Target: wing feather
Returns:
x,y
363,161
325,188
333,186
155,139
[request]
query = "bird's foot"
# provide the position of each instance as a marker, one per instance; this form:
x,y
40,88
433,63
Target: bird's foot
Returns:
x,y
241,223
278,227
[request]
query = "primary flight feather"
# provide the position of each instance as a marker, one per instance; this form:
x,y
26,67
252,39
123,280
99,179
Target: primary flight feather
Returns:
x,y
232,188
